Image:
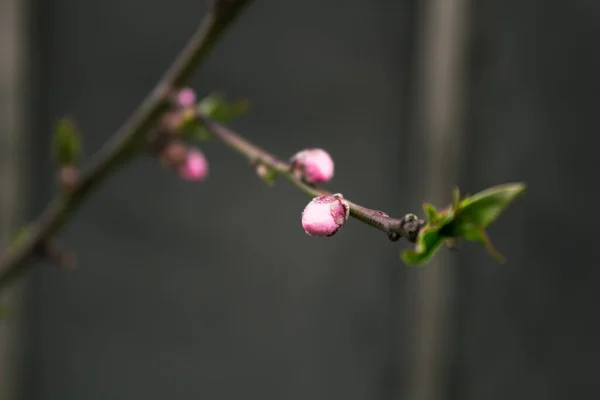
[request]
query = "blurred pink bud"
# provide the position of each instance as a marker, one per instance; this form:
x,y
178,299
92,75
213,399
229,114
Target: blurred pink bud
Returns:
x,y
325,215
186,97
313,165
195,167
174,153
262,171
68,177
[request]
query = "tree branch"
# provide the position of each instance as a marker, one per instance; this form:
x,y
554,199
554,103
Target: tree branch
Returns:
x,y
124,144
407,226
132,138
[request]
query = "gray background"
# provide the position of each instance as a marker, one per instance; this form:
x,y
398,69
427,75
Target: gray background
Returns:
x,y
214,291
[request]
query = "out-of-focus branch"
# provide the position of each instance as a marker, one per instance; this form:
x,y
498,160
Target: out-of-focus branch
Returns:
x,y
123,145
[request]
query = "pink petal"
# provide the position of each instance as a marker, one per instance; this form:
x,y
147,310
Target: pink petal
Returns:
x,y
324,215
313,165
195,168
186,97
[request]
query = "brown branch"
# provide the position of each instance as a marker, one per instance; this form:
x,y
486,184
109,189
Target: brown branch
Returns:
x,y
407,227
124,144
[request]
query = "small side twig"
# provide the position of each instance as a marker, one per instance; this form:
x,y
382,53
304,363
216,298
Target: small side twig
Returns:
x,y
407,227
50,249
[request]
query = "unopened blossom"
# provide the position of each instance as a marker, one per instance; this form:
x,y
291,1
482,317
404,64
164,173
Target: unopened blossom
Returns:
x,y
266,174
262,171
186,97
325,215
68,177
174,153
313,165
195,167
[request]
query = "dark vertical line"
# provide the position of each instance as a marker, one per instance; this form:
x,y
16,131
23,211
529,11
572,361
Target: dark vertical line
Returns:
x,y
13,174
442,46
401,289
477,47
406,36
40,31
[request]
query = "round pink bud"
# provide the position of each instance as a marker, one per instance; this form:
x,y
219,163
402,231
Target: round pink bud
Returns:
x,y
186,97
313,165
195,167
325,215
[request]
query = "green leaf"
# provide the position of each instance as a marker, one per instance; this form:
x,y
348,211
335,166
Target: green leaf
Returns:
x,y
456,198
214,106
466,219
444,216
430,213
67,144
481,236
199,133
484,207
428,243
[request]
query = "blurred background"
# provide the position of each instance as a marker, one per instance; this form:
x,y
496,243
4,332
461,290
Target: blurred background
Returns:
x,y
214,291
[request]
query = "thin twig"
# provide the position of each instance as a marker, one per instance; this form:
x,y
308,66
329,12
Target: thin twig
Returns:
x,y
124,144
407,227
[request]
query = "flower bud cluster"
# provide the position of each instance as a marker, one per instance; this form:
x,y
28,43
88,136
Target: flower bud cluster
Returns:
x,y
189,163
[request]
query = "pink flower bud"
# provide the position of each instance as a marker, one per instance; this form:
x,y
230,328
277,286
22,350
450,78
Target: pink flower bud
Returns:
x,y
313,165
186,97
195,167
325,215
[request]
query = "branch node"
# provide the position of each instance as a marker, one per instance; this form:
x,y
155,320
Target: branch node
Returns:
x,y
410,226
51,250
394,236
172,122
